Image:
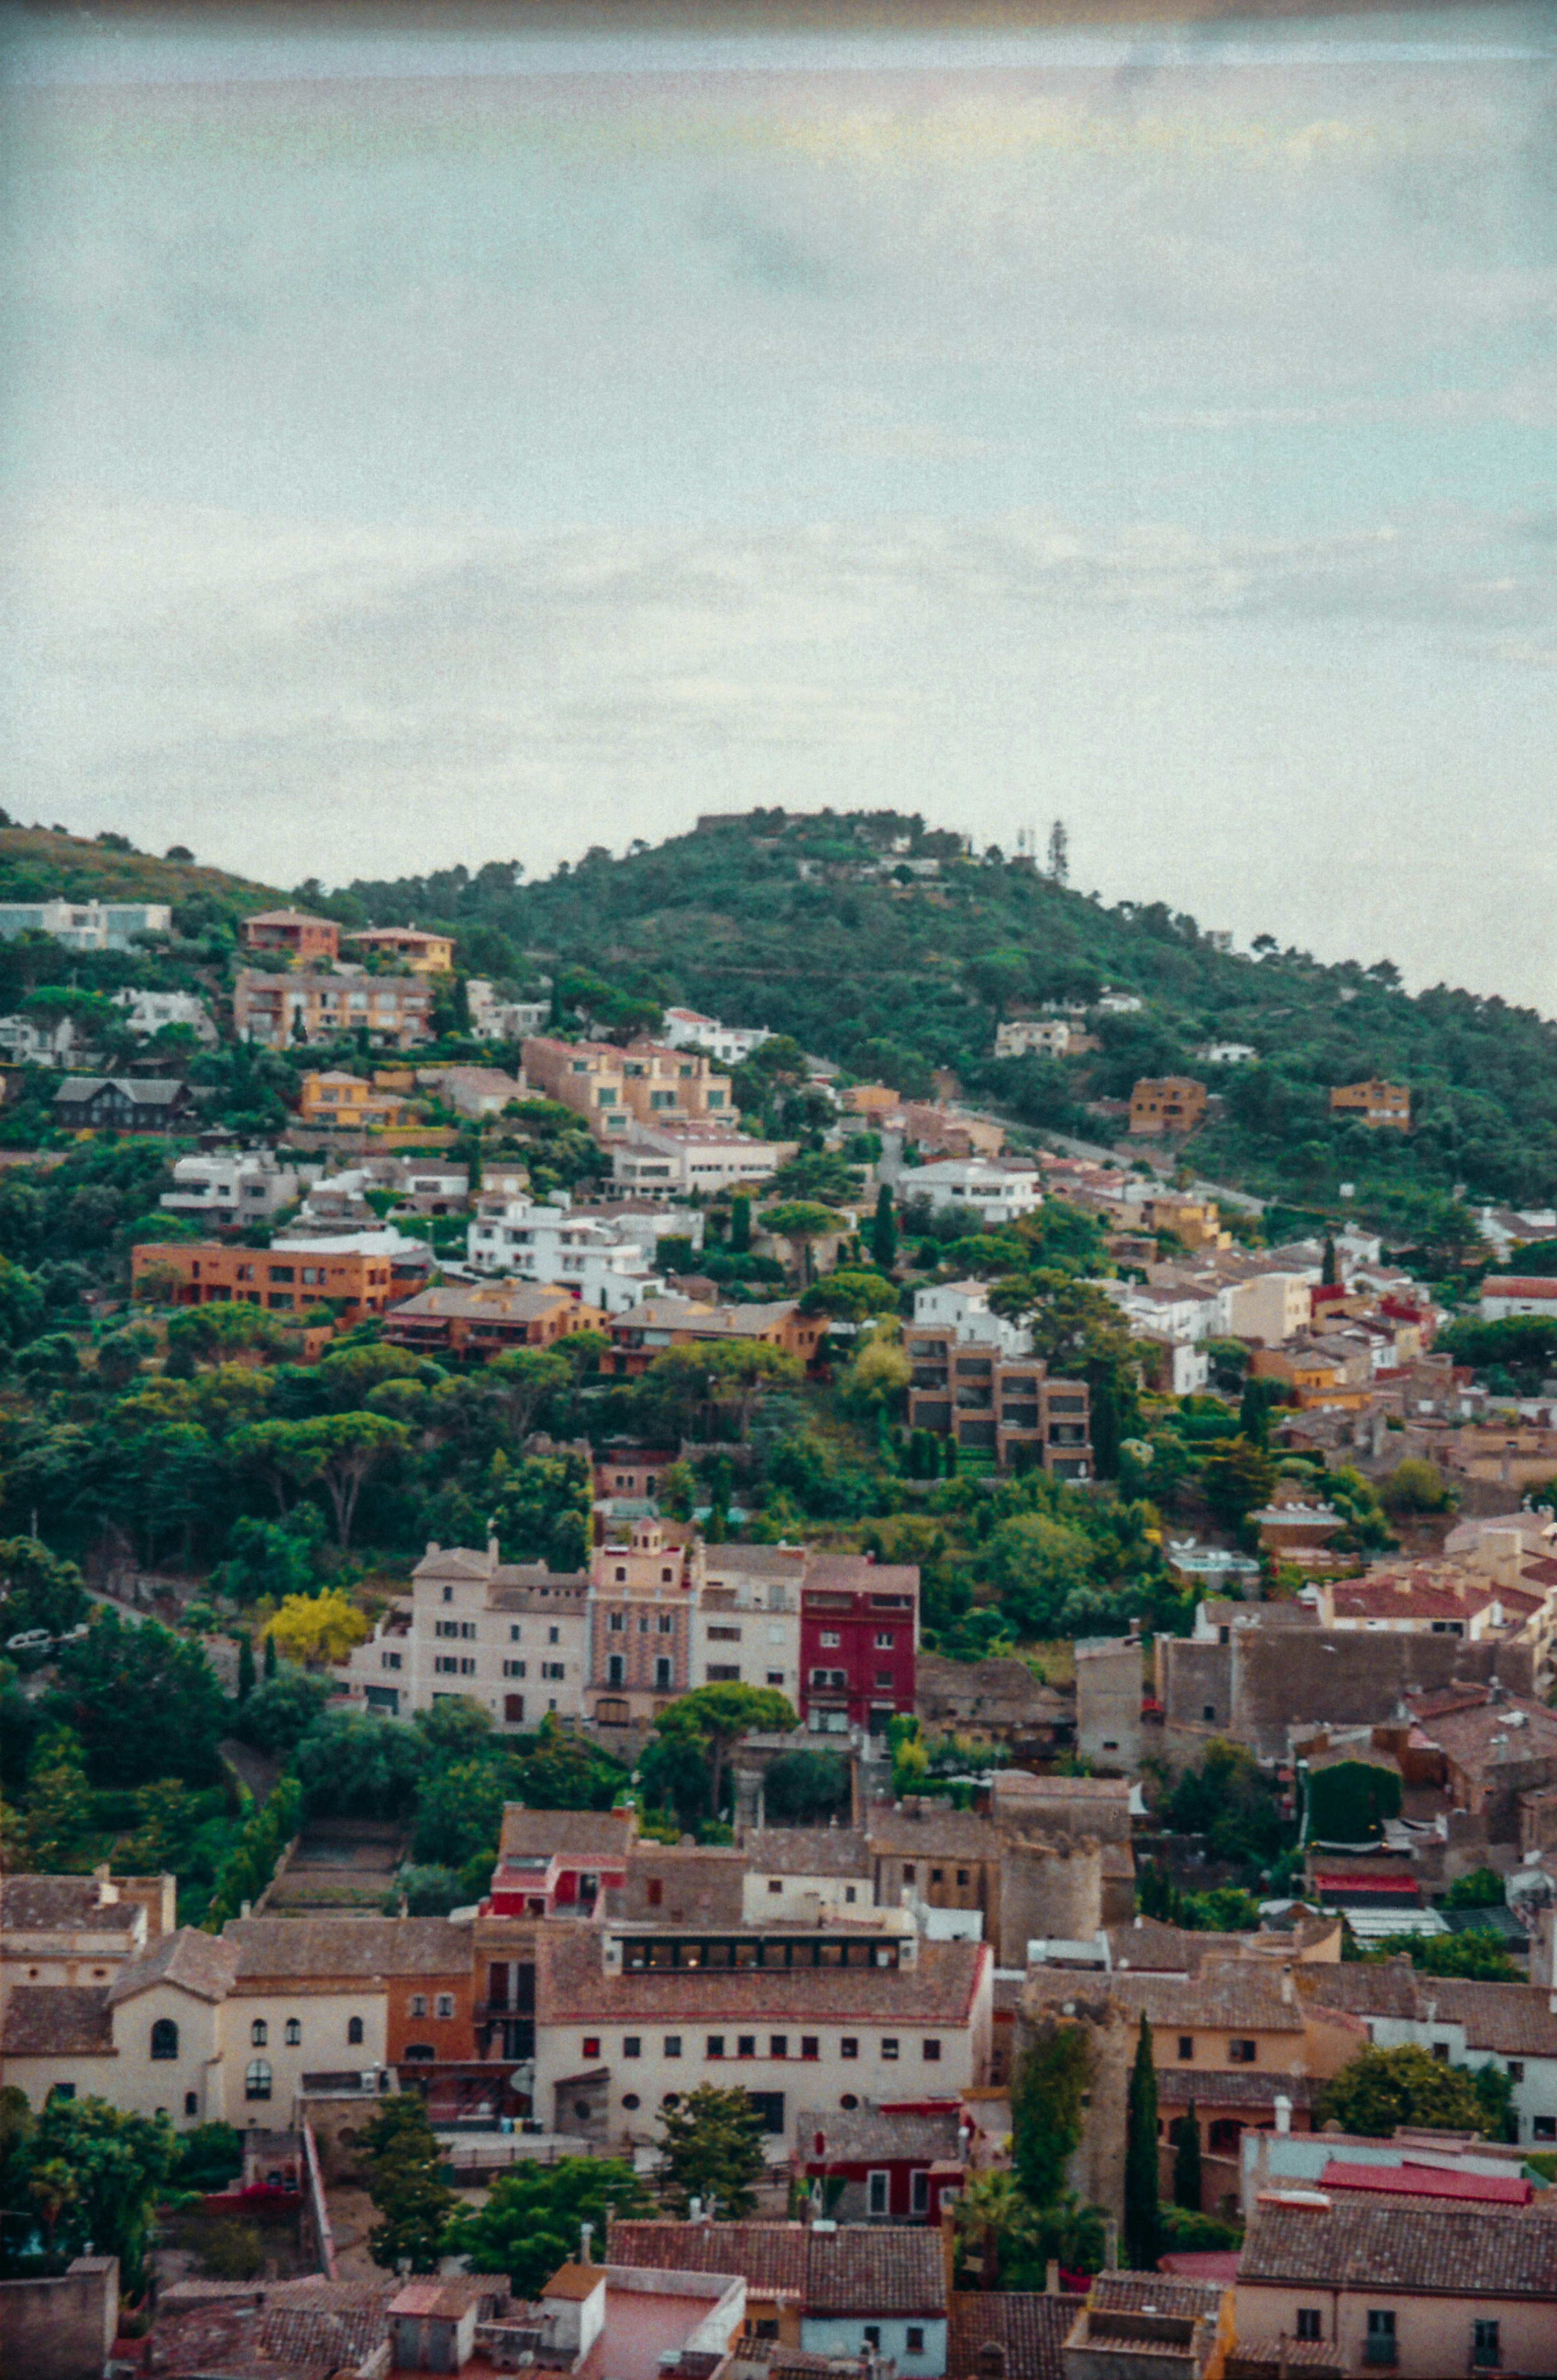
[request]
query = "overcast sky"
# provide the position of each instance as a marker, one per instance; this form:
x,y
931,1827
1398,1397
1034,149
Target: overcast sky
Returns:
x,y
420,448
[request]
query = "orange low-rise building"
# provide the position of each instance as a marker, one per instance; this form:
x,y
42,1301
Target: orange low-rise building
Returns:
x,y
1166,1103
1385,1106
350,1104
205,1272
300,937
486,1316
644,1331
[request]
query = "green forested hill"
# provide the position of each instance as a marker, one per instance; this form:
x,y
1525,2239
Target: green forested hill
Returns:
x,y
779,922
42,864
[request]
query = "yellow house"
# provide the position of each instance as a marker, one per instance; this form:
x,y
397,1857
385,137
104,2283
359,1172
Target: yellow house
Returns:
x,y
350,1104
423,954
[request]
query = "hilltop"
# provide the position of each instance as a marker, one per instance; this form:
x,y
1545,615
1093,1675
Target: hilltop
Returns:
x,y
820,926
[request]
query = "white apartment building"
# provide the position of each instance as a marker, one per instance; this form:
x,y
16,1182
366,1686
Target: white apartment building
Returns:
x,y
551,1246
1228,1054
684,1028
513,1637
656,1162
86,925
745,1619
40,1041
798,1874
150,1012
1043,1037
492,1019
997,1193
963,1306
230,1186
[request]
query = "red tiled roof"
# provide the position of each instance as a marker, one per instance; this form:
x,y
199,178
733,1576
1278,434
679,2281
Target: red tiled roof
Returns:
x,y
1454,2252
864,2270
58,2021
1028,2330
771,2255
572,1986
1428,2181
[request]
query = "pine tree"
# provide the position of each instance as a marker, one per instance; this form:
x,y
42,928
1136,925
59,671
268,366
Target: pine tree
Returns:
x,y
246,1668
1143,2221
883,1231
1059,853
1186,2161
270,1657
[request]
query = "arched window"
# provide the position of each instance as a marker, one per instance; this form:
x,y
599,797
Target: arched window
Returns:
x,y
420,2050
164,2038
294,2031
354,2031
258,2033
256,2080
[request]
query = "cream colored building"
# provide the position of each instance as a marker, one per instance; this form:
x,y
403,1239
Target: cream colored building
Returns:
x,y
630,2020
513,1637
796,1875
1270,1308
745,1621
80,1929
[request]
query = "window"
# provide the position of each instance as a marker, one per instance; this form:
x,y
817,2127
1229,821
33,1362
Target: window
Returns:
x,y
878,2193
909,1872
354,2032
514,1670
654,1891
777,2045
258,2033
810,2046
672,2045
256,2080
662,1673
1543,2128
919,2192
191,2102
1517,2069
724,1673
849,1895
716,2044
555,1670
617,1622
514,1634
62,2091
1208,1711
1378,2346
616,1670
1308,2323
1485,2346
774,1677
666,1623
294,2032
448,1595
883,1680
1243,2053
830,1639
164,2038
776,1884
889,2047
444,2004
1441,2051
591,2045
873,2335
554,1635
1185,2045
885,1641
848,2046
745,2044
631,2045
962,1875
915,2333
931,2052
937,1876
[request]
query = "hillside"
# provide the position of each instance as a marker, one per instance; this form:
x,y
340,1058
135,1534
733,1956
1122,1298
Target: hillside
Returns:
x,y
41,864
774,921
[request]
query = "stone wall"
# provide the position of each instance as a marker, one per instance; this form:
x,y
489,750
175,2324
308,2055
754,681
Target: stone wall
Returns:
x,y
1049,1891
1108,1683
1096,2172
61,2329
1349,1679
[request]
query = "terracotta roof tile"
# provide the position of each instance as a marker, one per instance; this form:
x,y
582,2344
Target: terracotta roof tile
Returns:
x,y
771,2255
864,2270
926,1831
1450,2251
360,1947
1168,2294
541,1834
202,1964
1028,2330
808,1850
571,1985
54,1904
856,2135
58,2021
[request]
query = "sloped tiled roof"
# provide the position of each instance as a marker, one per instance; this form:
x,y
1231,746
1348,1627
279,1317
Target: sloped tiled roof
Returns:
x,y
1029,2329
1168,2294
1236,1994
808,1850
1447,2251
1515,2020
55,1904
57,2020
771,2255
926,1831
1386,1990
360,1948
572,1986
202,1964
855,2135
541,1834
861,2269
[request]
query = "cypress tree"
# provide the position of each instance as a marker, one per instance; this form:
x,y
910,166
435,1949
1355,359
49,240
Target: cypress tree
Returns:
x,y
1142,2222
1330,1271
270,1657
740,1227
1186,2161
883,1231
950,1458
246,1668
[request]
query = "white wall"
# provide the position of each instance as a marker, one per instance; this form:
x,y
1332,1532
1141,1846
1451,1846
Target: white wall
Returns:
x,y
845,2334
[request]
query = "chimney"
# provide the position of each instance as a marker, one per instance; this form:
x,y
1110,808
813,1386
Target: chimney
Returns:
x,y
1284,2113
491,1554
1288,1990
585,2233
1051,2277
